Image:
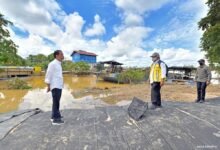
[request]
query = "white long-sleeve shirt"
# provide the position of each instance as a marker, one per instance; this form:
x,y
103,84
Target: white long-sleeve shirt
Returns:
x,y
54,75
163,71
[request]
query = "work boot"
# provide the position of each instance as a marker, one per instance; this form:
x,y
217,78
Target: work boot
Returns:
x,y
152,107
201,101
51,119
197,101
160,106
57,122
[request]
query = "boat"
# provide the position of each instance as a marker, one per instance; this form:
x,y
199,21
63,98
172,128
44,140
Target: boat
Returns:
x,y
112,77
113,71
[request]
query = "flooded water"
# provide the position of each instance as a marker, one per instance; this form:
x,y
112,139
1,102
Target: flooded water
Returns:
x,y
72,95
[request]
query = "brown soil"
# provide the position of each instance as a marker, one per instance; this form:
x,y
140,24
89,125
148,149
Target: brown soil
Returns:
x,y
170,92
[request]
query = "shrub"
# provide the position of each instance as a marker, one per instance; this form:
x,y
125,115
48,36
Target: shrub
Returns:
x,y
132,76
81,67
67,65
99,67
1,70
17,83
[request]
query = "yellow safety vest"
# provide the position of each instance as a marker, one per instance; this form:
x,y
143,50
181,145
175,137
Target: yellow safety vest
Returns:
x,y
157,72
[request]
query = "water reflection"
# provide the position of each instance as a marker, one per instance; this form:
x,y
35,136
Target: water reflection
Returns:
x,y
38,98
10,99
86,82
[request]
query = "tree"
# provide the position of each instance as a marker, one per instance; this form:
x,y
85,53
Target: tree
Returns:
x,y
38,60
210,41
81,67
8,49
68,65
50,57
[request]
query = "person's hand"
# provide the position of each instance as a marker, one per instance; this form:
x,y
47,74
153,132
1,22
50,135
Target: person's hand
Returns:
x,y
48,89
162,83
148,81
207,83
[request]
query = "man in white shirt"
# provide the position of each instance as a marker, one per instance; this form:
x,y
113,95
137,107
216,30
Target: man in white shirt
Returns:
x,y
158,73
54,80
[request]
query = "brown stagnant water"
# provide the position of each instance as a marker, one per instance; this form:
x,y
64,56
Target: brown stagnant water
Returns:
x,y
11,100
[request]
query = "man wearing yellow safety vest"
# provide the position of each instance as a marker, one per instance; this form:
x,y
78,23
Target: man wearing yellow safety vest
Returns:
x,y
158,72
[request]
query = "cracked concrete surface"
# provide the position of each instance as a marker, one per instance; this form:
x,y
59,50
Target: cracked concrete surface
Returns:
x,y
175,126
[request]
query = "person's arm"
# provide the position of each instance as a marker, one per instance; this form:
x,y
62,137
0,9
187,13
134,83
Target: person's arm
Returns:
x,y
209,76
48,87
148,74
163,73
196,77
48,77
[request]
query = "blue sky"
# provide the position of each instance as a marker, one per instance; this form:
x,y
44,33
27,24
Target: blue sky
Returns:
x,y
128,31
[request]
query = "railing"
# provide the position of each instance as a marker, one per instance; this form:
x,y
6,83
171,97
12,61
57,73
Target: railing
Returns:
x,y
12,71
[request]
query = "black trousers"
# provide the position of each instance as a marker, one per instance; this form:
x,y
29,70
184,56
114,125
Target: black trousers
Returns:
x,y
155,93
201,90
56,94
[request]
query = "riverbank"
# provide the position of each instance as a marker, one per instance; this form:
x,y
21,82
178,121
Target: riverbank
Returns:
x,y
79,88
171,92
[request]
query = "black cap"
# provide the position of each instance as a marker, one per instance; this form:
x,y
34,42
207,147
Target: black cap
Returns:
x,y
201,60
155,55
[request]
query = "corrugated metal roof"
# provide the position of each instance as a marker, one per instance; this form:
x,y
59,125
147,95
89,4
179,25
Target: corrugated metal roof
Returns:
x,y
83,53
111,62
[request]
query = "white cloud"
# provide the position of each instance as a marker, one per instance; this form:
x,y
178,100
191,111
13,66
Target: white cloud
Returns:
x,y
126,41
34,44
179,56
45,19
97,28
20,11
182,28
34,16
198,8
126,46
132,19
178,30
73,24
171,56
53,8
140,6
133,10
37,18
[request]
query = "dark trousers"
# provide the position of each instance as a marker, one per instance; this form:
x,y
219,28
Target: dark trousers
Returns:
x,y
56,94
201,90
155,93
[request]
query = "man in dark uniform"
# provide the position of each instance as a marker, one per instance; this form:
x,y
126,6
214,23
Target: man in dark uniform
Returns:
x,y
203,78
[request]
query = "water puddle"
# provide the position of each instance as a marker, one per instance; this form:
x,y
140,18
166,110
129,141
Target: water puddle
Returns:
x,y
79,92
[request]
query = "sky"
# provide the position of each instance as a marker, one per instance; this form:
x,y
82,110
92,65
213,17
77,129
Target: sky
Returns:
x,y
128,31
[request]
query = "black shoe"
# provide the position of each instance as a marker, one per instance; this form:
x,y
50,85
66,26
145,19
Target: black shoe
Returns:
x,y
57,122
197,101
202,101
159,106
51,119
152,107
